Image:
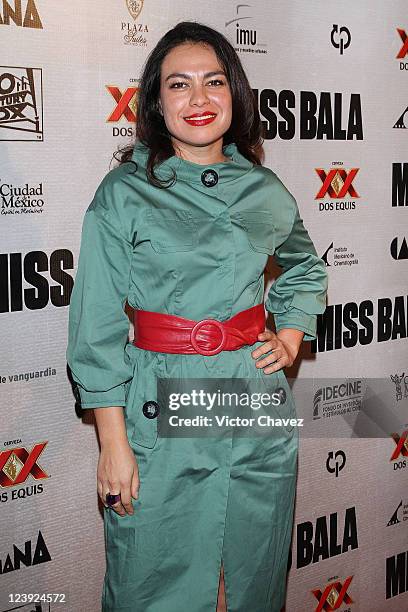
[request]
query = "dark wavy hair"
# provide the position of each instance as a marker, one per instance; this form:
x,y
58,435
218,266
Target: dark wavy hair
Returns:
x,y
246,127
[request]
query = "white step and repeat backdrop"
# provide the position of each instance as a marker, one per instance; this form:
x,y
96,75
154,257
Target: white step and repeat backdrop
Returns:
x,y
331,83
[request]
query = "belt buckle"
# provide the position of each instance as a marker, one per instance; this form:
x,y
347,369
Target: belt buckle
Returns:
x,y
195,329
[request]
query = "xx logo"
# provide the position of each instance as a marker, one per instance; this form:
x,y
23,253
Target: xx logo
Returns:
x,y
123,103
337,183
16,464
404,49
334,595
402,445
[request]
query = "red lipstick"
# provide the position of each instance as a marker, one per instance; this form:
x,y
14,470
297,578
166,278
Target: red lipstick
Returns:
x,y
198,119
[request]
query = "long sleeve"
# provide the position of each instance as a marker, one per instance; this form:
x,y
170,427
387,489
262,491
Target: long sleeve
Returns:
x,y
98,325
298,295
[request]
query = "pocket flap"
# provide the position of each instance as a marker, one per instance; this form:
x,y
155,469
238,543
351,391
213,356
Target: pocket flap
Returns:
x,y
260,229
171,230
140,429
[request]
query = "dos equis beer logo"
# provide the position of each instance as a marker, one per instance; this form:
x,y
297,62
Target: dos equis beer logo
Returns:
x,y
17,464
134,7
21,106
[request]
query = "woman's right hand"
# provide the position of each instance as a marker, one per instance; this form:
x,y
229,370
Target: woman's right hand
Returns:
x,y
118,472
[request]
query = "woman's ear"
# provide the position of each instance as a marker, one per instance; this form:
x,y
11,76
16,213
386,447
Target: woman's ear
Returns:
x,y
159,107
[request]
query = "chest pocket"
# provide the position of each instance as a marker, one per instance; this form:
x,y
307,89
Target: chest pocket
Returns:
x,y
171,231
259,228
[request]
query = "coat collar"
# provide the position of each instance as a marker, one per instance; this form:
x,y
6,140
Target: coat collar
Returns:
x,y
190,171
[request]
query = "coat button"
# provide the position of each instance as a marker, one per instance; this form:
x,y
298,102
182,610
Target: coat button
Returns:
x,y
282,394
151,409
209,178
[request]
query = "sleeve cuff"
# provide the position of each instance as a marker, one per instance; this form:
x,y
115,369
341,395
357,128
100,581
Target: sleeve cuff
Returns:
x,y
100,399
297,319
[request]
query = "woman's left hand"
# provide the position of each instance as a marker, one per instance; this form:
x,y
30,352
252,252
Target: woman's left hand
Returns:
x,y
285,346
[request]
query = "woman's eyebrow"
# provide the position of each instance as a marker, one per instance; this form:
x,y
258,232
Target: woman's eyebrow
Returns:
x,y
186,76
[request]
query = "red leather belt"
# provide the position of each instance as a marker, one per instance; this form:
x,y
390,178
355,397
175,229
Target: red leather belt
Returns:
x,y
166,333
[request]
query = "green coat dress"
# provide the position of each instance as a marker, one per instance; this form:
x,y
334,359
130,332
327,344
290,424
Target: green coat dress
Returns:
x,y
197,249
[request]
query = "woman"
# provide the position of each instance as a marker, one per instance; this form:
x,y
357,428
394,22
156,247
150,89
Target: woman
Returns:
x,y
182,230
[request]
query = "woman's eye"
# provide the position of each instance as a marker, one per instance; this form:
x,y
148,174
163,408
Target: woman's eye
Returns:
x,y
217,81
173,85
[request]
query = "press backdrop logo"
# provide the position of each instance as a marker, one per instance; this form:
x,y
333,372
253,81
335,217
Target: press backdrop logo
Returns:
x,y
339,256
399,248
337,188
400,453
400,123
21,199
403,52
399,184
244,33
310,115
396,575
328,536
340,37
124,109
401,385
361,323
336,461
21,474
400,514
337,400
20,13
34,280
21,103
134,32
32,552
334,595
38,607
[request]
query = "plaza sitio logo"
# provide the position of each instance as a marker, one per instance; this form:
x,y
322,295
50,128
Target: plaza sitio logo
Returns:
x,y
134,32
308,115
